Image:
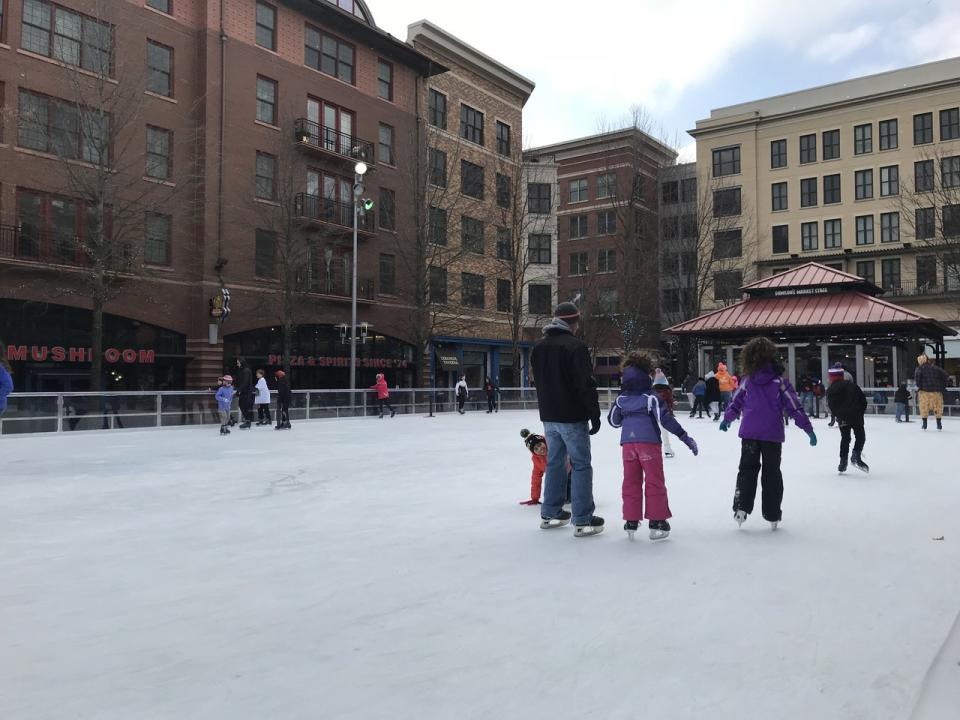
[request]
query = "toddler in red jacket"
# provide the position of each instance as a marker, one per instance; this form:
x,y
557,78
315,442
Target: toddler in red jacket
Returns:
x,y
537,445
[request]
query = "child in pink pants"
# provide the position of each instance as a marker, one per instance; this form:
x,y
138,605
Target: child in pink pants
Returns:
x,y
640,414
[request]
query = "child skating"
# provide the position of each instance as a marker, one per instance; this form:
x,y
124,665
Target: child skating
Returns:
x,y
640,414
763,397
848,405
383,395
537,445
661,386
699,390
284,396
224,400
263,400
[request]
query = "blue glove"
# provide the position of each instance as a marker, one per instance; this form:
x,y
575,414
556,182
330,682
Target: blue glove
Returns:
x,y
691,443
724,426
813,438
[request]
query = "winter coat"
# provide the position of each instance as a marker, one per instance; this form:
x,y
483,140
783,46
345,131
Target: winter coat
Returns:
x,y
712,390
688,382
263,392
762,399
930,378
490,388
462,390
244,386
699,389
846,401
6,387
284,396
383,392
902,395
224,397
639,412
566,390
724,379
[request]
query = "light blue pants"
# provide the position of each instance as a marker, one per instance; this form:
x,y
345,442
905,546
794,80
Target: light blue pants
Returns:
x,y
571,439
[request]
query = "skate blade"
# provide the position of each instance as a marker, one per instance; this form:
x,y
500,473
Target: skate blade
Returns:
x,y
630,534
587,531
740,517
659,534
553,523
773,526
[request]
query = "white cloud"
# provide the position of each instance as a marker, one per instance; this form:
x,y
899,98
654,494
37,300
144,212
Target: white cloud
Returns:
x,y
841,45
688,152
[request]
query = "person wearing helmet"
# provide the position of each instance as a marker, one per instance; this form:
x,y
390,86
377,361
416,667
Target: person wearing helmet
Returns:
x,y
284,396
224,401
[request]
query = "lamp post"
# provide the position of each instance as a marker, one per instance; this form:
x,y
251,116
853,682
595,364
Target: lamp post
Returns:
x,y
359,170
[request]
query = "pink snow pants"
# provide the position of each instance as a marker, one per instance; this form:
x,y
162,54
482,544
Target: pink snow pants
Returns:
x,y
643,476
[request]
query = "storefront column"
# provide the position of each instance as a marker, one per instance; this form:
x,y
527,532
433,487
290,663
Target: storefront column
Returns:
x,y
493,362
792,363
861,374
896,366
730,368
825,364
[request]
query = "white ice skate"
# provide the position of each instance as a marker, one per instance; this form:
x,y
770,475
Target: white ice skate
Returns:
x,y
740,516
773,525
659,530
668,453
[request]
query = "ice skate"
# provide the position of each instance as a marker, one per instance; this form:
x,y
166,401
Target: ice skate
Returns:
x,y
224,430
842,468
774,524
924,425
939,424
659,529
594,527
857,461
740,516
392,412
631,527
563,518
668,453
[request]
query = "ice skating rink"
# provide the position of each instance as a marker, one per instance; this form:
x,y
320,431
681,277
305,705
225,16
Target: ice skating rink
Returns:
x,y
376,569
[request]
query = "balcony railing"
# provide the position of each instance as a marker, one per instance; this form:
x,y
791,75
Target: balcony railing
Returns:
x,y
320,209
334,285
27,243
913,289
315,136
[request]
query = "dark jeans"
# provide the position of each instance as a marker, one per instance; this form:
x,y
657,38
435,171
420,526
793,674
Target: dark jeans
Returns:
x,y
461,399
246,407
283,413
698,406
859,435
754,456
384,401
263,413
491,403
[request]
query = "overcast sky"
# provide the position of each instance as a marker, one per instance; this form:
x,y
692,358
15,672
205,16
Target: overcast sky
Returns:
x,y
592,61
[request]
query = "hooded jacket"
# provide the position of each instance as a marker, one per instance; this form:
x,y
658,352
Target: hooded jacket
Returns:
x,y
640,413
724,379
712,389
700,389
846,401
563,373
762,399
902,395
383,392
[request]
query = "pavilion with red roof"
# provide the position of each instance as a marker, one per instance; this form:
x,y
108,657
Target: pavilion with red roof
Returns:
x,y
820,316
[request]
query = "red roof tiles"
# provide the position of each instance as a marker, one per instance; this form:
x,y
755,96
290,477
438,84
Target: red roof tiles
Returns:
x,y
806,276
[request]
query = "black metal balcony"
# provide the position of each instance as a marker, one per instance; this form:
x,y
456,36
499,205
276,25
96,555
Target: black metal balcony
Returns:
x,y
22,242
335,285
330,141
323,211
892,291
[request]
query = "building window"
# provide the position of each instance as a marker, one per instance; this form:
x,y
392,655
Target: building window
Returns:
x,y
471,124
951,221
388,274
925,223
670,192
688,227
923,176
437,109
889,139
438,167
890,227
159,163
164,6
503,191
65,35
159,69
539,249
59,127
863,182
808,148
266,26
669,228
607,300
606,222
950,124
688,190
539,200
578,226
950,171
670,300
726,202
778,154
471,180
438,285
266,186
578,263
156,250
727,244
503,295
862,139
265,254
503,138
831,189
607,186
831,144
471,234
832,234
578,190
889,180
726,285
504,244
471,290
923,128
328,54
781,239
726,161
539,299
808,192
384,80
927,271
385,152
808,236
865,270
606,260
865,230
266,100
388,211
890,274
438,226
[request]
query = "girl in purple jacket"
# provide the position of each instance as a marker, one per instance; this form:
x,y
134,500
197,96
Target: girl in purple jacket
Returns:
x,y
640,414
764,395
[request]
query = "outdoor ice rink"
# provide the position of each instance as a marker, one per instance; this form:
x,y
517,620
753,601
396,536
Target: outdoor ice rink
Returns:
x,y
383,569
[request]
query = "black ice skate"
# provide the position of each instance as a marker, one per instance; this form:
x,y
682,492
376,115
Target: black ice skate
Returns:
x,y
924,426
857,461
593,527
842,468
562,518
224,430
392,412
740,516
631,527
939,424
659,529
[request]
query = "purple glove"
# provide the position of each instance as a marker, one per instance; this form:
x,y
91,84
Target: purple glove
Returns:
x,y
690,443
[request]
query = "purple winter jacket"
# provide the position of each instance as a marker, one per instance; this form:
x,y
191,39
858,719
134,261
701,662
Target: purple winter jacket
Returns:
x,y
762,398
635,410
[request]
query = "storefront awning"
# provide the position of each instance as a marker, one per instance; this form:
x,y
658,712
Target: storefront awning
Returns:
x,y
448,361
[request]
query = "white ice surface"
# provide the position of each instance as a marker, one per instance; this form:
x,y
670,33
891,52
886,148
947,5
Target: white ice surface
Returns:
x,y
383,569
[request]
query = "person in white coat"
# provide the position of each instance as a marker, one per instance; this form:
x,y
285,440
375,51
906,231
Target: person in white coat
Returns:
x,y
462,392
263,400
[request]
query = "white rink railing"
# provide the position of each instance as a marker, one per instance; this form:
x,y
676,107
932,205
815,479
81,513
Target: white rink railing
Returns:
x,y
70,412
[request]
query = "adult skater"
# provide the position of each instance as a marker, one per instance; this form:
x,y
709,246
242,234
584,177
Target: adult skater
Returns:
x,y
570,411
6,379
383,395
462,392
284,396
492,390
245,393
848,405
711,396
932,383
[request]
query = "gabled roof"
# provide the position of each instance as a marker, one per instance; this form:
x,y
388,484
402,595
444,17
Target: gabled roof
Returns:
x,y
804,276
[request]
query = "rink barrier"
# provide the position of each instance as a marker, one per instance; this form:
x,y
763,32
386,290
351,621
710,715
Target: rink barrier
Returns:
x,y
87,411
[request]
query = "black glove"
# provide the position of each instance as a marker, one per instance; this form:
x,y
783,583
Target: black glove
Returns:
x,y
594,425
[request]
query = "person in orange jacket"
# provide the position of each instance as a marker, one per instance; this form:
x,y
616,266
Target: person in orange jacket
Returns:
x,y
726,385
383,395
537,445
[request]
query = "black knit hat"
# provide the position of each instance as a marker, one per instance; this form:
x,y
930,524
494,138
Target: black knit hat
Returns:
x,y
531,440
567,311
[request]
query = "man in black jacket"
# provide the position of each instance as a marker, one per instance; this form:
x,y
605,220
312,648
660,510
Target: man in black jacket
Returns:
x,y
567,398
245,393
284,396
848,405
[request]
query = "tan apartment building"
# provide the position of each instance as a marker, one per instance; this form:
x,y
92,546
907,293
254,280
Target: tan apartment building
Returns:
x,y
862,176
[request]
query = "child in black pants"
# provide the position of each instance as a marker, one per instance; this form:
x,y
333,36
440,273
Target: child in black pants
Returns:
x,y
848,404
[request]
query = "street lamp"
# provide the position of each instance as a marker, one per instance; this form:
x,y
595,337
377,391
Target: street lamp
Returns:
x,y
359,170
